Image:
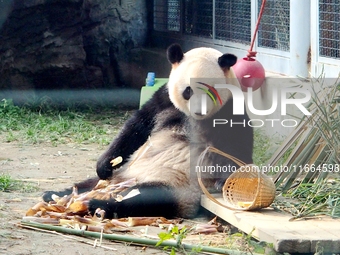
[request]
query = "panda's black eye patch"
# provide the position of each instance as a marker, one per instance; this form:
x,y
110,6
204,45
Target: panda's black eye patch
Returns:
x,y
187,93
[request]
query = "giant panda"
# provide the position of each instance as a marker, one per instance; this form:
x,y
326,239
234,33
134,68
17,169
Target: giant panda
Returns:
x,y
160,143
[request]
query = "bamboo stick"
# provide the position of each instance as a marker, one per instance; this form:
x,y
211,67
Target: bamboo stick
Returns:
x,y
133,239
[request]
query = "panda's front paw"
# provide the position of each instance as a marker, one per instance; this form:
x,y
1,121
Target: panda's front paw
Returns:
x,y
104,170
104,175
109,206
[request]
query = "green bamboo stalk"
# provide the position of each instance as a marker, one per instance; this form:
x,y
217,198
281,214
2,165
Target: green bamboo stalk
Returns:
x,y
281,176
319,160
300,160
287,144
134,240
295,160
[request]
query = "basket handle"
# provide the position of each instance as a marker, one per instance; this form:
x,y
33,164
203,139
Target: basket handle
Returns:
x,y
206,192
204,189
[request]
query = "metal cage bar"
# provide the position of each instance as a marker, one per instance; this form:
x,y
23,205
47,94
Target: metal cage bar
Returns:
x,y
329,28
274,29
233,20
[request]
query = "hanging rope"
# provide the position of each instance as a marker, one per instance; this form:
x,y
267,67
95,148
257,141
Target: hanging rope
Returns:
x,y
252,53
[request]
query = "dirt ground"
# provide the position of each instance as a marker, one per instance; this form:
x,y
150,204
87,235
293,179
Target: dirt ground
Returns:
x,y
48,168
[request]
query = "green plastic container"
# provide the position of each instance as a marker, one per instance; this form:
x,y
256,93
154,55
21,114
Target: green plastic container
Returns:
x,y
147,91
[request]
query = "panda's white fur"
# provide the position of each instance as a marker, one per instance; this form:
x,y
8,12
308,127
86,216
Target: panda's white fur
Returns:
x,y
199,63
156,143
165,158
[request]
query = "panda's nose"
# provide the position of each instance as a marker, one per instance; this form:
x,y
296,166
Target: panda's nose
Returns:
x,y
199,114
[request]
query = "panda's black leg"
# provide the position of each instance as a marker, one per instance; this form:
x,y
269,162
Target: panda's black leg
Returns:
x,y
82,187
154,199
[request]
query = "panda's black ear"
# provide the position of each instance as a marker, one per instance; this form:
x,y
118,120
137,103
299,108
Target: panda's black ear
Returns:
x,y
227,60
175,53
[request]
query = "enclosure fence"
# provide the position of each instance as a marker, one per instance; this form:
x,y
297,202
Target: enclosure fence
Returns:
x,y
274,26
231,23
329,28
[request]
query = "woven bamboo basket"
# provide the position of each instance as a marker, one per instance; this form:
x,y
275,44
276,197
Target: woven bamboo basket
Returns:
x,y
245,189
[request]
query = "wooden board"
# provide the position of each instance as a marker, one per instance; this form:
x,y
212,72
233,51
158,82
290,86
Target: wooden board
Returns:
x,y
299,236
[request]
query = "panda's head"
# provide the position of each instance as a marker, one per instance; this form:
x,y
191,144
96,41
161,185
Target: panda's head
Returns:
x,y
193,77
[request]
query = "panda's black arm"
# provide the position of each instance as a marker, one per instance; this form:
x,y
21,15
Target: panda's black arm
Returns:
x,y
134,133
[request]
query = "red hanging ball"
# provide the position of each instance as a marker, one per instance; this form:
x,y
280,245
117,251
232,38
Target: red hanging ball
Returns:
x,y
250,73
